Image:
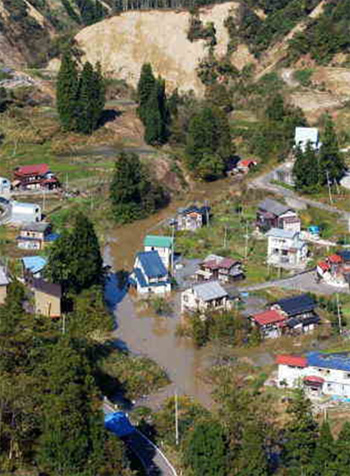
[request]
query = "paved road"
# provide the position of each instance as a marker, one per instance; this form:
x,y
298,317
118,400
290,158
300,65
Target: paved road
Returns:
x,y
264,182
305,282
152,458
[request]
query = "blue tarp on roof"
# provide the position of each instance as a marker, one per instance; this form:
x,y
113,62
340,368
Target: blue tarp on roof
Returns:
x,y
119,424
337,360
152,264
297,304
34,264
345,254
52,237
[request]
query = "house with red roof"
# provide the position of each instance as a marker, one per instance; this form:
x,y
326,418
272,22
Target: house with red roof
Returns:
x,y
225,270
270,323
245,165
335,269
34,177
319,373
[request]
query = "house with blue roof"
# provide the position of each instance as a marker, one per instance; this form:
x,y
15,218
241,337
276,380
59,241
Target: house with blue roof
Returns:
x,y
33,267
149,275
319,373
163,244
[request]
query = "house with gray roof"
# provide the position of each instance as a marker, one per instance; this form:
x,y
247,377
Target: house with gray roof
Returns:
x,y
273,214
286,249
209,296
149,275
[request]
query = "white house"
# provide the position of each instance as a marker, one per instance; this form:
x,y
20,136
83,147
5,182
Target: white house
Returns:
x,y
286,248
164,245
25,212
210,296
306,135
150,275
318,373
5,186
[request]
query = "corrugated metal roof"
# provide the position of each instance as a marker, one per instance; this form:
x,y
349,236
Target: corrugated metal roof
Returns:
x,y
268,317
48,288
36,169
209,291
280,233
292,360
336,361
158,241
35,226
271,206
34,264
152,264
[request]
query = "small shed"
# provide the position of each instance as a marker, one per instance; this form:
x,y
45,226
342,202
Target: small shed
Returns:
x,y
22,212
33,267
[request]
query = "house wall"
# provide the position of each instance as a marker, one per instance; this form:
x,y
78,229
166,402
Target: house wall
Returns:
x,y
279,251
3,294
30,244
47,305
25,214
191,302
164,254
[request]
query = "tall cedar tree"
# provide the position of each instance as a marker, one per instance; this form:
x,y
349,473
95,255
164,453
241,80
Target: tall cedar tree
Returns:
x,y
301,437
208,144
331,162
80,97
133,193
342,449
252,457
306,170
153,108
67,92
75,259
205,451
325,453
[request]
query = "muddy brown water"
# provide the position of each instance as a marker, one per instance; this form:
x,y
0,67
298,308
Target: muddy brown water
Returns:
x,y
155,336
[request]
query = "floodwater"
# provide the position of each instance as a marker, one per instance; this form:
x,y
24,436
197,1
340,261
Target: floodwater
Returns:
x,y
151,335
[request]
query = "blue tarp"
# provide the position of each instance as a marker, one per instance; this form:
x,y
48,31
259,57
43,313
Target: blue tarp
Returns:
x,y
314,230
336,360
119,424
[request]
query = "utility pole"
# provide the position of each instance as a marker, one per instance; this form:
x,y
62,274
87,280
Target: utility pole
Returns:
x,y
63,324
44,199
339,314
172,248
329,188
246,241
206,204
225,236
176,420
67,184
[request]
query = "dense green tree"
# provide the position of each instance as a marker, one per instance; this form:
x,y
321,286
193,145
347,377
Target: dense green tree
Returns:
x,y
275,110
306,170
208,144
341,465
331,162
154,123
300,436
75,259
205,451
252,458
325,453
133,193
67,92
145,88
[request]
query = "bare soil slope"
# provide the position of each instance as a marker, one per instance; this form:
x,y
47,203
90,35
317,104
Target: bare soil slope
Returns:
x,y
123,43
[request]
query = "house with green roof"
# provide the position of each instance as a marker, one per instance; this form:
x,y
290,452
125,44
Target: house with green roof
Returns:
x,y
163,244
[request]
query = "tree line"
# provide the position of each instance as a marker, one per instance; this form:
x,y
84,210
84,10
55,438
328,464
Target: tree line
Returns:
x,y
80,95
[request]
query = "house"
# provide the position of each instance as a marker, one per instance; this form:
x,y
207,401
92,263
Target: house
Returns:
x,y
25,212
299,312
34,177
290,316
150,276
272,214
306,135
5,186
32,236
47,298
33,267
226,270
335,269
4,282
192,218
285,248
206,297
269,323
318,373
244,166
164,245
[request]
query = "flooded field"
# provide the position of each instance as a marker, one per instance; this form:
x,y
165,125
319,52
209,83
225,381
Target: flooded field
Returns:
x,y
155,336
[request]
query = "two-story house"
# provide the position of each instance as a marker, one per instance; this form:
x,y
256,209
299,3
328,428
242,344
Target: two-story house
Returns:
x,y
34,177
214,267
32,236
285,248
149,275
164,245
192,218
299,312
318,373
206,297
272,214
